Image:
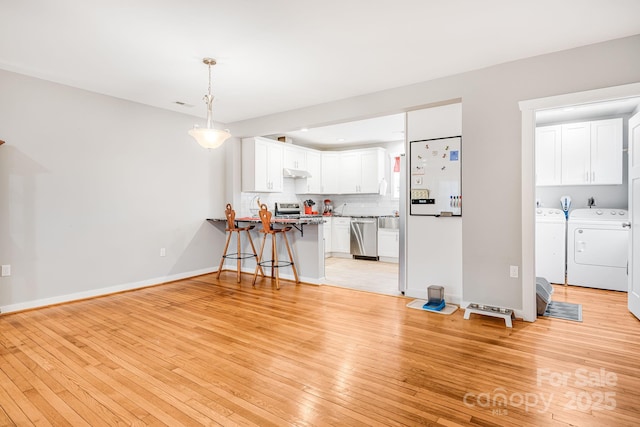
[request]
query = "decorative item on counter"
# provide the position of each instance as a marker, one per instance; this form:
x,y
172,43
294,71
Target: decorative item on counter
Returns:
x,y
254,211
308,210
328,208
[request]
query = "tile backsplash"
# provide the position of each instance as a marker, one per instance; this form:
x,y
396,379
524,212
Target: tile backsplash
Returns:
x,y
345,204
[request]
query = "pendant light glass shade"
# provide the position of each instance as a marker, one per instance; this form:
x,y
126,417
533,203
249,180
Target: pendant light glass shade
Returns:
x,y
209,137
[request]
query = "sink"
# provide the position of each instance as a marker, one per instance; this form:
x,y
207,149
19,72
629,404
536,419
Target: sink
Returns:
x,y
389,222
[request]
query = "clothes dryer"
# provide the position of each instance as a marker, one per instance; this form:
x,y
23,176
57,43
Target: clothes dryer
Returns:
x,y
550,244
597,248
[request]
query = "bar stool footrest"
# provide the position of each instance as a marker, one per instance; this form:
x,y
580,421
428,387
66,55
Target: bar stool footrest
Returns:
x,y
279,264
242,255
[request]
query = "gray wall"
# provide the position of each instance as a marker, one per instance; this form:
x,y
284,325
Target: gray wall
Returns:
x,y
91,187
491,123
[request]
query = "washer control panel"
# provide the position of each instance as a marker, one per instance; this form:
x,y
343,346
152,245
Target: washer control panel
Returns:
x,y
600,214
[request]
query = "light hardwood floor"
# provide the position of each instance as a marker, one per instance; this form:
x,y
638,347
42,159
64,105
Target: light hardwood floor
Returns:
x,y
209,352
372,276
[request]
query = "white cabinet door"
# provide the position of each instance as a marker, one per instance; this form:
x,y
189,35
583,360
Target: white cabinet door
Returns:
x,y
327,235
294,157
330,172
388,243
606,152
548,155
350,172
371,170
340,235
576,153
261,165
314,167
274,167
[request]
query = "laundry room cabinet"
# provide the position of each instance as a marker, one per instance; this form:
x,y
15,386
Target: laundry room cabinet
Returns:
x,y
548,155
584,153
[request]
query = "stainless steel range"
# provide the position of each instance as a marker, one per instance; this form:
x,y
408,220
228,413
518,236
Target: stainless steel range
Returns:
x,y
287,210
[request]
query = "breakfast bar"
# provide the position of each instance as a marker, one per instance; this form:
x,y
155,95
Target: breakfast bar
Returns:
x,y
307,245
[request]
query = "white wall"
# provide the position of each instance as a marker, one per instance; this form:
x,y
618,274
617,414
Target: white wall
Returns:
x,y
91,187
434,245
491,125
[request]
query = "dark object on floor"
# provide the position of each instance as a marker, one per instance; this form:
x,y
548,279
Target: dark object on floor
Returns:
x,y
544,290
564,310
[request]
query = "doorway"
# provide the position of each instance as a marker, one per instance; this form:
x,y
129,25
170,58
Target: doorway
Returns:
x,y
529,110
383,134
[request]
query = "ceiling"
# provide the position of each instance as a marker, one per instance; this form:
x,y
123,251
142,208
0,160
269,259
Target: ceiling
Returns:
x,y
371,131
280,55
596,110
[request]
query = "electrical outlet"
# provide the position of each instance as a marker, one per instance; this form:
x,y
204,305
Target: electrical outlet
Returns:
x,y
163,252
6,270
513,271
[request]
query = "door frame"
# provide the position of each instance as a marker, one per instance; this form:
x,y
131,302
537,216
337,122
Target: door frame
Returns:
x,y
528,109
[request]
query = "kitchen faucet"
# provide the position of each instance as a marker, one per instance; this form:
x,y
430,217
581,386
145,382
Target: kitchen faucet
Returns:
x,y
342,206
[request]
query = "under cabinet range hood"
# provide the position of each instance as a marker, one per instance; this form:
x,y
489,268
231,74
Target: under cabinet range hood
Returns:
x,y
295,173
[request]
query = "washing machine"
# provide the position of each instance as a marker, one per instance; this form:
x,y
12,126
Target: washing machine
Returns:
x,y
551,244
598,248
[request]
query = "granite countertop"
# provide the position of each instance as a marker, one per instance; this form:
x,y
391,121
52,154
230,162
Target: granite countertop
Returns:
x,y
294,221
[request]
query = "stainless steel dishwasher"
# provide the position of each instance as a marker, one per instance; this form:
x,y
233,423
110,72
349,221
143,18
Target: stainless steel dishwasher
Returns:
x,y
364,238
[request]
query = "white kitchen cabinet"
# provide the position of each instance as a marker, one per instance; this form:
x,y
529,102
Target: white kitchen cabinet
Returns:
x,y
330,172
372,170
361,171
261,165
294,157
340,234
548,155
313,165
585,153
388,243
327,231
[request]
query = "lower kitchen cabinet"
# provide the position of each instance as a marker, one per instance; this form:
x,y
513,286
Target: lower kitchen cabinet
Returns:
x,y
327,235
388,243
340,235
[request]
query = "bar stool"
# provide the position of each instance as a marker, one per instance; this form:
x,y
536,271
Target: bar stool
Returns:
x,y
230,214
274,263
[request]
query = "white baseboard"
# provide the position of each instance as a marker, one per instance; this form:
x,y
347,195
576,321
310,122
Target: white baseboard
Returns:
x,y
28,305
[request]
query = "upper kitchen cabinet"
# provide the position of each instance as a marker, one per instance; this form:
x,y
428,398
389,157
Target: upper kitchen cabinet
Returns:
x,y
361,171
261,165
585,153
295,157
313,165
331,172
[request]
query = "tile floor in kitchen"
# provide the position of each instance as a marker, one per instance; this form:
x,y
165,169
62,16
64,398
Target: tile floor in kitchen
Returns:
x,y
372,276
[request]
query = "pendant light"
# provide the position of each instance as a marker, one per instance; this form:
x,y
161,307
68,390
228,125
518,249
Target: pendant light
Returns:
x,y
209,137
